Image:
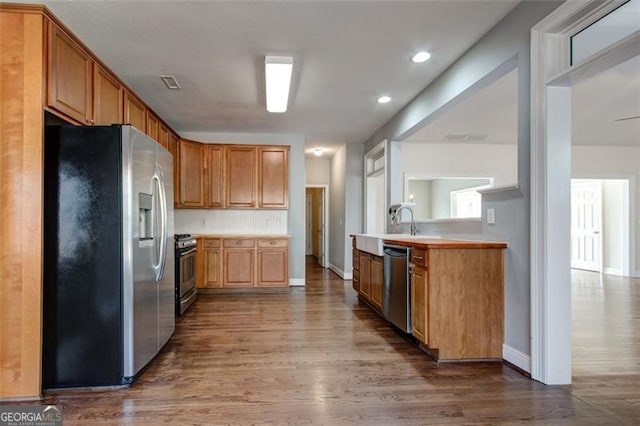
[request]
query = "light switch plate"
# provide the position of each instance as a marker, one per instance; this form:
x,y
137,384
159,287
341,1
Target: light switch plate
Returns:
x,y
491,216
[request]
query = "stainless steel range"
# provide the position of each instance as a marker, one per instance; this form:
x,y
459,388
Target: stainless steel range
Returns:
x,y
185,272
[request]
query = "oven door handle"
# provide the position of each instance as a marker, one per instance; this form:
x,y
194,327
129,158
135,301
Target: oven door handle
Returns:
x,y
193,250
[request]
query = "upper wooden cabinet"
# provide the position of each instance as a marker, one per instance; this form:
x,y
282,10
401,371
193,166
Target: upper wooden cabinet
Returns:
x,y
135,113
163,136
107,98
69,77
152,127
173,149
191,180
241,176
273,177
214,175
235,176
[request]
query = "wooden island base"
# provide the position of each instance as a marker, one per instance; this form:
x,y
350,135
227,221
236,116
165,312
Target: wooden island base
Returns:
x,y
457,296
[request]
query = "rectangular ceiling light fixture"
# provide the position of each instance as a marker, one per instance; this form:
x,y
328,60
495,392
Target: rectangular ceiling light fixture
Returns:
x,y
278,70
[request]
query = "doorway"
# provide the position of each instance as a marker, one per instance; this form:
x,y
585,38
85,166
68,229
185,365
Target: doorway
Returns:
x,y
317,210
600,227
555,74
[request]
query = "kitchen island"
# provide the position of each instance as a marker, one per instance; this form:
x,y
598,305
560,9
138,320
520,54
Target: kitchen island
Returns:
x,y
457,294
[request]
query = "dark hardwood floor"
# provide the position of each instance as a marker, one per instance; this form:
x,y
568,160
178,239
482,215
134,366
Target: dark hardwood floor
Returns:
x,y
318,356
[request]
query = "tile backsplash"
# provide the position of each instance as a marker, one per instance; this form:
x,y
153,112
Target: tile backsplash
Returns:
x,y
230,221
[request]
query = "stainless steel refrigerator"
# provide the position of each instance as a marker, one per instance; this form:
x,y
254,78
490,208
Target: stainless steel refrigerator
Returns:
x,y
108,248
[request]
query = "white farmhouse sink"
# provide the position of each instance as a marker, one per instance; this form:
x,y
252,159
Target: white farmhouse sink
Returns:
x,y
372,243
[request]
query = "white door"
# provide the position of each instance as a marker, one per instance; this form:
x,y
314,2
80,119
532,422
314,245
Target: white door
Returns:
x,y
586,224
321,228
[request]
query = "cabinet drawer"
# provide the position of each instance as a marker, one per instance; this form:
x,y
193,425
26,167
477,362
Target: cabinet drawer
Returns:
x,y
273,243
419,257
211,243
239,242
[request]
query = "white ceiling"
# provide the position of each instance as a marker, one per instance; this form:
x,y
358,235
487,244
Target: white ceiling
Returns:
x,y
597,103
346,54
489,116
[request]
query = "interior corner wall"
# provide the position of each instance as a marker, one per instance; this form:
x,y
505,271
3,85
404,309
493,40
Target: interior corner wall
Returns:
x,y
337,208
354,199
296,212
506,44
318,171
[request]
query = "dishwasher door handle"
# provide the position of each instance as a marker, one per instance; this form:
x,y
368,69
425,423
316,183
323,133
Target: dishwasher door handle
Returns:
x,y
395,253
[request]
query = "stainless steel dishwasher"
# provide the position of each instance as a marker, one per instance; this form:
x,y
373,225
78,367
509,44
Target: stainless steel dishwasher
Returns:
x,y
396,292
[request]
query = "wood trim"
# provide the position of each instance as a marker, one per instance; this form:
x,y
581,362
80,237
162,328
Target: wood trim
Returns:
x,y
21,187
426,243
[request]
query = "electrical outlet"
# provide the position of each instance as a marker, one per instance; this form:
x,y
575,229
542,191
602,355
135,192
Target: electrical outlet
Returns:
x,y
491,216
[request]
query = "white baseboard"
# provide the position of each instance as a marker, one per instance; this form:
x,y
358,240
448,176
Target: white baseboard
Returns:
x,y
635,274
613,271
517,358
340,272
296,282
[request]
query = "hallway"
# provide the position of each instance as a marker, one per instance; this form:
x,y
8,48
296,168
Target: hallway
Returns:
x,y
318,356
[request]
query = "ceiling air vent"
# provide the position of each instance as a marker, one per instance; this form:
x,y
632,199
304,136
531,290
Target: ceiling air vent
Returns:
x,y
464,137
170,81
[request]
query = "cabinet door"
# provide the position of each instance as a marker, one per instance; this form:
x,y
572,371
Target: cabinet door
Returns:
x,y
135,113
273,177
152,126
200,262
214,175
356,280
365,275
273,267
163,136
238,267
212,267
173,149
107,98
241,177
376,281
419,297
191,173
69,77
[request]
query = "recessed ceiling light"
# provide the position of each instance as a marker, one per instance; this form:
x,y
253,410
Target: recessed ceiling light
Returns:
x,y
318,152
384,99
170,81
421,57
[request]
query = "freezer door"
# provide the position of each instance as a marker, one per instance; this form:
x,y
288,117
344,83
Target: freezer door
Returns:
x,y
166,281
141,213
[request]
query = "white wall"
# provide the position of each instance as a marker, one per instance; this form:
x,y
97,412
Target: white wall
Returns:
x,y
499,161
613,162
346,205
296,211
337,210
318,171
503,48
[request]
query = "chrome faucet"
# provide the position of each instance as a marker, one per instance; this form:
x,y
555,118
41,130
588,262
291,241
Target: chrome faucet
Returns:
x,y
414,228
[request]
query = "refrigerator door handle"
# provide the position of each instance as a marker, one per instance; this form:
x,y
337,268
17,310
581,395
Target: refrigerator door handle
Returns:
x,y
158,249
163,225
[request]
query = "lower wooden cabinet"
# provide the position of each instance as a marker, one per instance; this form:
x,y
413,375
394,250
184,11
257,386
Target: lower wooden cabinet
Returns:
x,y
365,275
242,263
212,268
419,299
376,281
238,269
370,278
